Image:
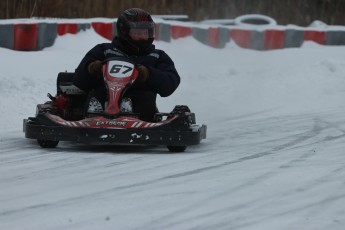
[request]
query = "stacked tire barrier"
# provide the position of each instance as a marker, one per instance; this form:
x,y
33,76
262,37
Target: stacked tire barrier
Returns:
x,y
33,36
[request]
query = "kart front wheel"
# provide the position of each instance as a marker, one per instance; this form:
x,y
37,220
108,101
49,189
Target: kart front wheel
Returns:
x,y
47,143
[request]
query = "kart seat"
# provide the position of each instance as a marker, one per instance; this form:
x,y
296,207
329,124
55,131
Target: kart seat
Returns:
x,y
65,85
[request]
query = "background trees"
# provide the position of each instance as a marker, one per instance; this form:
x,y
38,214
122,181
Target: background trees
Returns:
x,y
300,12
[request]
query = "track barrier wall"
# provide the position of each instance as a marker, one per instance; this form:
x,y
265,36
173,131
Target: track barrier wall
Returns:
x,y
106,30
7,36
25,37
38,35
46,35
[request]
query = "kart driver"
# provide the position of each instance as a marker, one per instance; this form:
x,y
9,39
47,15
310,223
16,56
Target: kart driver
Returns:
x,y
157,73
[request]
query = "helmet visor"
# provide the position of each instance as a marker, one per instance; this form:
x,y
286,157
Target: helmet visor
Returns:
x,y
141,31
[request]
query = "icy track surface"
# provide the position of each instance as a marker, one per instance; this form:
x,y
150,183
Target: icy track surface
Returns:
x,y
274,157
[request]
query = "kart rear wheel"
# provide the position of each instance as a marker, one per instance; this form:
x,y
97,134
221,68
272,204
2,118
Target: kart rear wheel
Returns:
x,y
176,149
47,143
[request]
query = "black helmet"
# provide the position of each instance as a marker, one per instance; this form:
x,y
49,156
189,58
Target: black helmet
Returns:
x,y
136,28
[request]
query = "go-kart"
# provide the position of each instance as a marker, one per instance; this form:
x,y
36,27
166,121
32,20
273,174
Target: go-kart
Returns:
x,y
63,118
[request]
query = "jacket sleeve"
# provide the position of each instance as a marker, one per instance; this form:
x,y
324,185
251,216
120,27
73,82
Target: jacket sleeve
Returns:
x,y
164,78
82,79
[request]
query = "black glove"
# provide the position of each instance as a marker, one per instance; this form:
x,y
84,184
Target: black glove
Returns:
x,y
95,69
144,73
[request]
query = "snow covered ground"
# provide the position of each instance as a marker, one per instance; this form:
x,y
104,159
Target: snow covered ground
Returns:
x,y
273,158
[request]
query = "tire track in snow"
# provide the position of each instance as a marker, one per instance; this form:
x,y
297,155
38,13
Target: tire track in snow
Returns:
x,y
103,193
300,138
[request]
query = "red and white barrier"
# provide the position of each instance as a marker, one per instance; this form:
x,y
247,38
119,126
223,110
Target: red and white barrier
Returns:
x,y
38,35
106,30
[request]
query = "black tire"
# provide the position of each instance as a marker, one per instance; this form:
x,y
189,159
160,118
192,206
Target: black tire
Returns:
x,y
176,149
47,143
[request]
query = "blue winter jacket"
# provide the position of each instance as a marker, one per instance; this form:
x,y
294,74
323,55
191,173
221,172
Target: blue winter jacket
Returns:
x,y
163,78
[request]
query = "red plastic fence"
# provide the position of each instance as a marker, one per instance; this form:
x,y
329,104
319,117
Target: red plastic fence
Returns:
x,y
67,28
315,36
213,37
274,39
180,31
241,37
25,37
103,29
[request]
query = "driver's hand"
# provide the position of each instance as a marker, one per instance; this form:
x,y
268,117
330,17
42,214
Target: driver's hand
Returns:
x,y
144,73
95,69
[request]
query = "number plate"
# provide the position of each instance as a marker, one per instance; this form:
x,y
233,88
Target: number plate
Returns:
x,y
120,69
